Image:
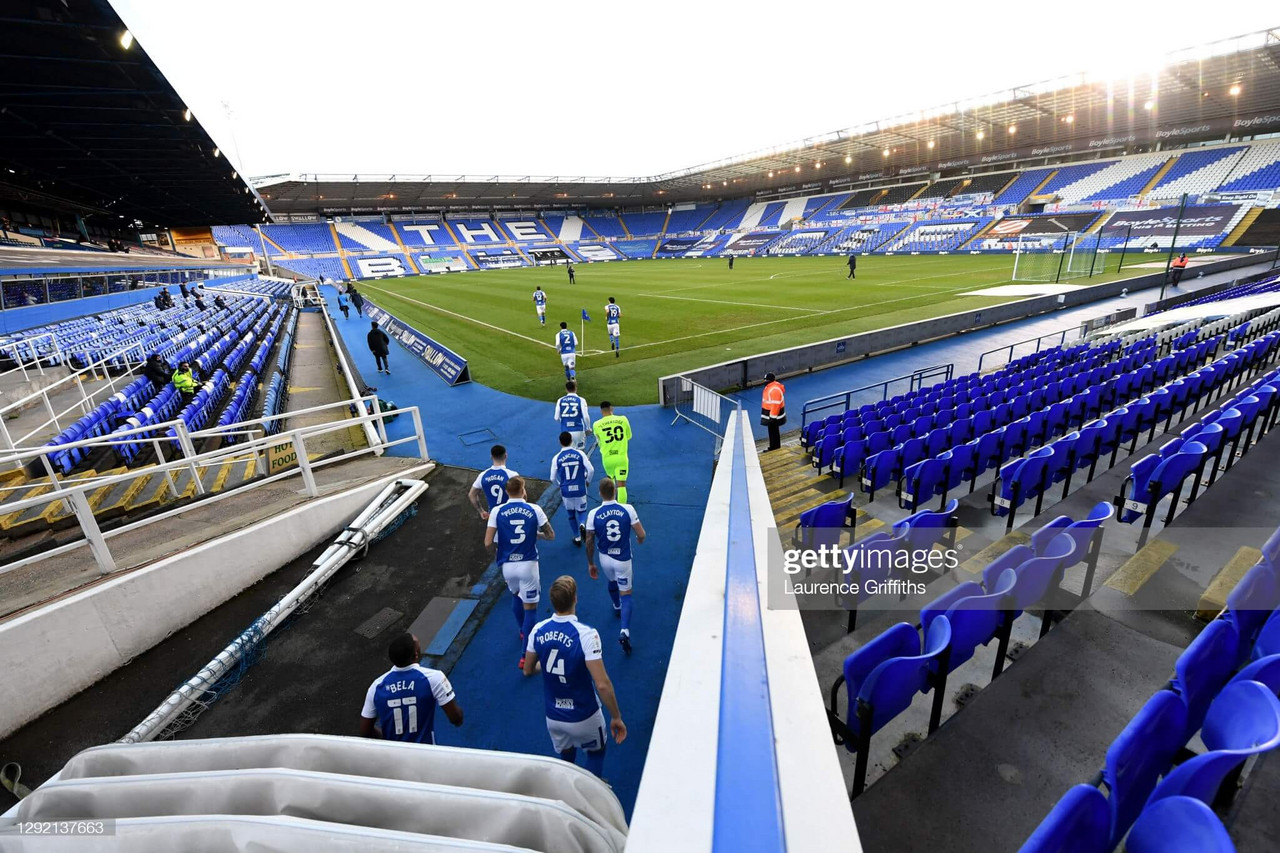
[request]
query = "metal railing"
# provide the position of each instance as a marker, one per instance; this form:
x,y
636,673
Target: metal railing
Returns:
x,y
704,408
844,400
13,347
81,406
1058,338
285,451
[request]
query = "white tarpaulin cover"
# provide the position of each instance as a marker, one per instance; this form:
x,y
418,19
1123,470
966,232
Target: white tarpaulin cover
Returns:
x,y
348,784
469,813
527,775
219,834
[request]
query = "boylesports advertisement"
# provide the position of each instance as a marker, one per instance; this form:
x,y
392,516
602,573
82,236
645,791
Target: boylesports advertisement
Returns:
x,y
1197,221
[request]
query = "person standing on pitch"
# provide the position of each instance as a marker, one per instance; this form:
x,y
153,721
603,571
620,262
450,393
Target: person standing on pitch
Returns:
x,y
853,265
401,703
613,433
572,279
773,409
514,530
574,681
540,304
571,470
609,529
731,262
567,345
492,483
573,416
613,322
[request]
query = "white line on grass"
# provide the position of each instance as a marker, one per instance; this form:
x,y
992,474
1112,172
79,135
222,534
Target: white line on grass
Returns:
x,y
461,316
722,302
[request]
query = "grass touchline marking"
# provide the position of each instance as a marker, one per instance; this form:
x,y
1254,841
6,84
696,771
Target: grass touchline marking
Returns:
x,y
723,302
459,316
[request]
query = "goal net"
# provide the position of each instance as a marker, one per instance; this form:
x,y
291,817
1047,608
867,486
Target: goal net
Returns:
x,y
1055,257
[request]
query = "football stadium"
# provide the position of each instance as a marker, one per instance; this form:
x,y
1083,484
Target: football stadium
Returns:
x,y
904,487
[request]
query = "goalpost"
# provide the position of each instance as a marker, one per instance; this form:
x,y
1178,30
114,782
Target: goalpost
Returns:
x,y
1055,257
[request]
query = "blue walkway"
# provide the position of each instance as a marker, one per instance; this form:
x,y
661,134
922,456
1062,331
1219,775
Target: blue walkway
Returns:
x,y
961,350
670,480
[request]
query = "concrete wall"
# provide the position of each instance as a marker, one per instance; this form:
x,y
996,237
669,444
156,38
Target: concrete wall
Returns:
x,y
745,372
110,624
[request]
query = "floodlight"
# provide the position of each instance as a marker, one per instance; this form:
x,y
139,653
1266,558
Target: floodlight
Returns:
x,y
1234,90
126,39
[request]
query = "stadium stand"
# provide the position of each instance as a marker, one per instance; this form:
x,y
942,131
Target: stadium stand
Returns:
x,y
644,224
727,217
1016,193
1118,179
365,236
302,238
690,219
943,235
1197,172
1259,169
606,225
898,194
1067,175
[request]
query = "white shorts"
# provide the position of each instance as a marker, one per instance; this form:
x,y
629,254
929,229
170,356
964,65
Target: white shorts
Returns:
x,y
522,580
617,571
615,330
542,309
568,359
578,439
578,504
588,734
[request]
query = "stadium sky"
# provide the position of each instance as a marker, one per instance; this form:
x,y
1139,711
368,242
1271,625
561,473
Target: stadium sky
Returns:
x,y
589,88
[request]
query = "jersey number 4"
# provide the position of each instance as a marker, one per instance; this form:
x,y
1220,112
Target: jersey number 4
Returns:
x,y
410,702
555,666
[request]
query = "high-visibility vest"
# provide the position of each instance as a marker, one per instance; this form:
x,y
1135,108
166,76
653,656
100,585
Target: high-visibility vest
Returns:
x,y
1180,263
773,407
184,382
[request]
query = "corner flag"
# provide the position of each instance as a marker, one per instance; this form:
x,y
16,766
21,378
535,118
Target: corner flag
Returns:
x,y
585,316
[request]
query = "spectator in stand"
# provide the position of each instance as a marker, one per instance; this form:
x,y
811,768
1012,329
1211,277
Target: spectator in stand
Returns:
x,y
199,302
185,381
157,370
159,301
356,299
220,302
182,286
379,345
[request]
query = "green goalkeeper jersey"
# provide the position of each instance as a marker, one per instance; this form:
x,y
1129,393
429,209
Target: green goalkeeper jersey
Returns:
x,y
612,432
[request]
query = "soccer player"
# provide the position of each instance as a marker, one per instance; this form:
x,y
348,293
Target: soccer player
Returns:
x,y
574,681
572,414
567,344
514,530
613,432
492,482
401,703
540,303
613,316
609,529
572,471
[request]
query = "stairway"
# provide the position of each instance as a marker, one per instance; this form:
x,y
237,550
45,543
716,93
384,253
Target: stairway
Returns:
x,y
1158,177
794,486
1250,216
365,237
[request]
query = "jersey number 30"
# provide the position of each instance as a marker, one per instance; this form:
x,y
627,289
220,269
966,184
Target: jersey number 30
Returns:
x,y
613,433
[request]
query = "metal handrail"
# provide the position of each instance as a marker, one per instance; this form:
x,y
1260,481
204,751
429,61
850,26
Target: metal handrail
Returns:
x,y
916,380
142,433
1061,335
76,494
14,344
86,402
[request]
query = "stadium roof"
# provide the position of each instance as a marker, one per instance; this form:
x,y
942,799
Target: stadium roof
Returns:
x,y
89,125
1205,93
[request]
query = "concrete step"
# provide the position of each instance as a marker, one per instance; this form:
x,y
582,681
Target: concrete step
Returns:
x,y
1214,598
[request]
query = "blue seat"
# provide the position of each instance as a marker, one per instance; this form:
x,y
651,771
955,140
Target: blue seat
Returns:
x,y
926,528
1251,603
1268,641
976,617
1244,720
920,482
1203,668
880,469
870,559
958,464
822,525
1152,478
825,450
882,678
1140,755
1079,823
1020,480
1178,825
1011,559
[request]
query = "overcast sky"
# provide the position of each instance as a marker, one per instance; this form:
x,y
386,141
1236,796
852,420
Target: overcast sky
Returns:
x,y
610,88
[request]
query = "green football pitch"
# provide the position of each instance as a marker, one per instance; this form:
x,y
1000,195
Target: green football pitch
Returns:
x,y
678,314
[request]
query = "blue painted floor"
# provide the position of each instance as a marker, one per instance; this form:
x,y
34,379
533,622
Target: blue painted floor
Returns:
x,y
670,480
961,350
